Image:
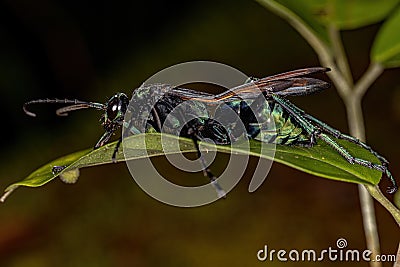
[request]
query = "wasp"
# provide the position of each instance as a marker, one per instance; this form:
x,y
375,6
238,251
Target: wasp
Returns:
x,y
253,102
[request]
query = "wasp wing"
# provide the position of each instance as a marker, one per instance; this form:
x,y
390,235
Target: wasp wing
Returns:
x,y
291,83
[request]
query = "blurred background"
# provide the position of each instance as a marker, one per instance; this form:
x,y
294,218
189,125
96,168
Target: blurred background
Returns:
x,y
90,50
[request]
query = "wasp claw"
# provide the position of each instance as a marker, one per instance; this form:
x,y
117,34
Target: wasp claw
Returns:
x,y
391,189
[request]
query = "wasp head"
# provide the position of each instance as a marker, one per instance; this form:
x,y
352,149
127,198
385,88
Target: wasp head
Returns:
x,y
115,111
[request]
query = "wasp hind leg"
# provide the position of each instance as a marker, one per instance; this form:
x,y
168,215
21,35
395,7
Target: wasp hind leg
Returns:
x,y
304,121
337,134
353,160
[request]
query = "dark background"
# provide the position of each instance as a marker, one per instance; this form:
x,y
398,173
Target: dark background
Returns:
x,y
90,50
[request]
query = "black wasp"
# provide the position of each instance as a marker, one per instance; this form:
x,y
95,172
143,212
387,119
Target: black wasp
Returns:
x,y
292,126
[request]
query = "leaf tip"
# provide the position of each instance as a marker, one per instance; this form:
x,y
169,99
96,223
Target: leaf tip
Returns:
x,y
7,193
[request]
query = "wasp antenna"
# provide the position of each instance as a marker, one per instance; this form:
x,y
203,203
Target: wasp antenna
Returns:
x,y
64,111
76,104
27,112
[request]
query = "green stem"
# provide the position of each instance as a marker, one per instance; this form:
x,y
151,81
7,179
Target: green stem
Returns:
x,y
355,120
352,96
352,100
377,194
323,51
371,74
316,43
369,223
355,116
340,54
397,263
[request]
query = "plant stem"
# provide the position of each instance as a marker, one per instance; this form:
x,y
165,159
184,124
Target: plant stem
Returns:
x,y
355,121
352,100
355,116
369,222
352,96
377,194
371,74
316,43
340,54
397,263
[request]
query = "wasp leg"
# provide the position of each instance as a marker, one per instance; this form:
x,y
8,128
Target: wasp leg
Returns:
x,y
57,169
298,115
383,168
393,188
337,134
206,171
116,148
103,139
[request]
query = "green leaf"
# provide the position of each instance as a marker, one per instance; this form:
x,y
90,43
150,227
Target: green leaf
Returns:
x,y
343,14
320,160
350,14
386,47
300,14
314,19
396,199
